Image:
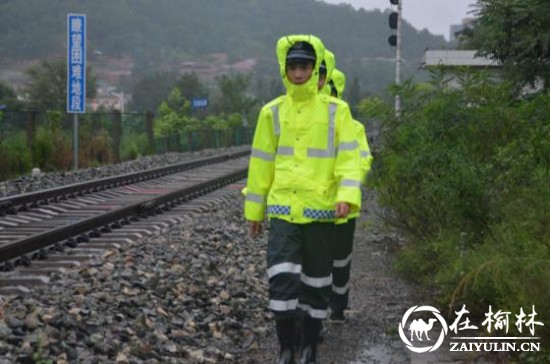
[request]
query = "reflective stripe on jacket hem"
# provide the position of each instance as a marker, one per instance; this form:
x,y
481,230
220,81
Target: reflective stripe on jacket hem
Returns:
x,y
278,210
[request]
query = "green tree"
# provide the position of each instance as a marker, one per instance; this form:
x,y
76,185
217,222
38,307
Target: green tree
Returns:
x,y
47,87
190,86
7,96
267,88
234,96
516,33
177,102
151,90
173,115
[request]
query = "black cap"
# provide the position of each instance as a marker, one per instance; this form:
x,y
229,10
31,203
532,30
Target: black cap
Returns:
x,y
333,90
323,68
301,52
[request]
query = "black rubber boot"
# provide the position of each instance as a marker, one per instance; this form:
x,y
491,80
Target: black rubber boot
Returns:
x,y
311,331
285,333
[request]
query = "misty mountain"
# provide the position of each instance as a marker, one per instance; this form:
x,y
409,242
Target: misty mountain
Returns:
x,y
161,32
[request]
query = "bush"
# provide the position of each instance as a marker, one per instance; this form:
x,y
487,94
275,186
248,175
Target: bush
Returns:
x,y
15,157
133,146
52,149
95,149
466,174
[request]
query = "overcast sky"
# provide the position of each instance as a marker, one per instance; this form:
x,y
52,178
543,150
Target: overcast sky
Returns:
x,y
435,15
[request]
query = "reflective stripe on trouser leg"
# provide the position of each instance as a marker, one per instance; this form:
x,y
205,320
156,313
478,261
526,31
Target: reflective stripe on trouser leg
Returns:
x,y
341,248
284,266
316,266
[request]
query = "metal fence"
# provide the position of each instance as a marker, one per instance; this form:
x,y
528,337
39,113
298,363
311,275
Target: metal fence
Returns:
x,y
46,139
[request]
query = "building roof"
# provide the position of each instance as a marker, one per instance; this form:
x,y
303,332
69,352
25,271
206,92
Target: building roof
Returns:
x,y
456,58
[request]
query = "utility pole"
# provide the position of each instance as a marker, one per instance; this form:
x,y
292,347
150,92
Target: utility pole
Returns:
x,y
398,60
395,41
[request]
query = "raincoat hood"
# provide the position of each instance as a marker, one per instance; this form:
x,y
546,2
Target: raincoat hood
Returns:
x,y
330,62
309,88
339,80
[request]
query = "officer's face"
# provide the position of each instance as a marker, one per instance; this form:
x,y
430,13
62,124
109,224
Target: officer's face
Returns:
x,y
299,73
322,80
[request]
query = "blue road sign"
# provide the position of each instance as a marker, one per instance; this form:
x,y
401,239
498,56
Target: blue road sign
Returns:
x,y
76,63
199,103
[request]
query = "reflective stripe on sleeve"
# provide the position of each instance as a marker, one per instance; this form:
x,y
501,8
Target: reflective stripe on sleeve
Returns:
x,y
348,146
365,154
350,183
254,197
256,153
286,267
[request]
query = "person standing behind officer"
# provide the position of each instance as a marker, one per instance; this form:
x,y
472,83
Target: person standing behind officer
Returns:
x,y
303,172
325,72
342,243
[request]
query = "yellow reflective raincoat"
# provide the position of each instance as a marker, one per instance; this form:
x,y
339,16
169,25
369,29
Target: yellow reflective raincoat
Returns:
x,y
330,62
339,80
305,153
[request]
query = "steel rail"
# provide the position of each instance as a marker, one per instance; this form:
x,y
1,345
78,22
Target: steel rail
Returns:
x,y
13,204
40,241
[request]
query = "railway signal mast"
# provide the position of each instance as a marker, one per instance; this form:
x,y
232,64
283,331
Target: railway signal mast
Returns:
x,y
395,41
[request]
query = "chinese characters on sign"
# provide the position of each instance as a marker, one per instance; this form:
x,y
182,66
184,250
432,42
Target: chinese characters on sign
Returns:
x,y
76,63
199,103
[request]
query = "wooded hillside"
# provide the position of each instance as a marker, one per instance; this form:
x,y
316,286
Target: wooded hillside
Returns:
x,y
163,32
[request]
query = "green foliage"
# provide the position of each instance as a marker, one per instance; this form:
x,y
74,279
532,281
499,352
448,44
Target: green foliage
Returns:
x,y
190,86
133,146
160,37
234,97
15,157
149,92
516,32
7,96
173,115
241,28
466,174
52,149
95,149
47,88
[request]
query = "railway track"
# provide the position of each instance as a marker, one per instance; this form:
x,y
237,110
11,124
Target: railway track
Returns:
x,y
53,230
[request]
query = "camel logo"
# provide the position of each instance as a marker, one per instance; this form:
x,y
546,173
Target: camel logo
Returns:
x,y
419,329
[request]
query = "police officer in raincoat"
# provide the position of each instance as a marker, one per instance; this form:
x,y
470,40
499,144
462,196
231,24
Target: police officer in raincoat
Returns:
x,y
342,244
303,173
